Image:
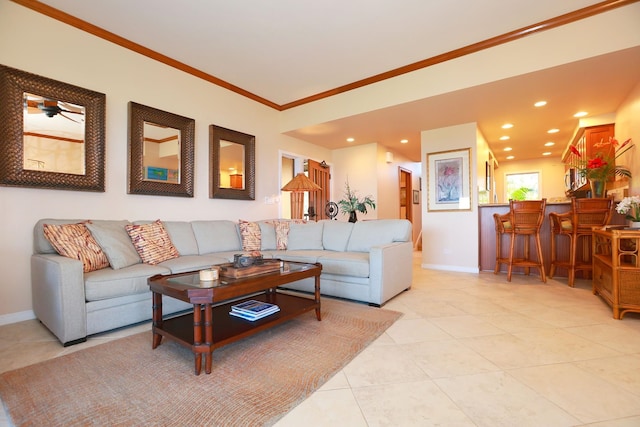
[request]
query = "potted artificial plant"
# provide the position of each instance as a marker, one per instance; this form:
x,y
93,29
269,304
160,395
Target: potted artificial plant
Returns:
x,y
351,204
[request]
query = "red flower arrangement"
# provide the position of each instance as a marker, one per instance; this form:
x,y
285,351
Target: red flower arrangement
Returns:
x,y
603,167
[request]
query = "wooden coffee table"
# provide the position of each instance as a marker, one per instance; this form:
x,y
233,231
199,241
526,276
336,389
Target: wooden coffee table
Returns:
x,y
210,325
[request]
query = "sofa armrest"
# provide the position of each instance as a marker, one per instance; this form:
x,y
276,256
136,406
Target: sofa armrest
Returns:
x,y
57,288
390,271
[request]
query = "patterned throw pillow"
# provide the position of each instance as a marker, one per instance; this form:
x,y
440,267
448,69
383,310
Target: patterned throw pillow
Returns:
x,y
251,235
152,242
75,241
282,232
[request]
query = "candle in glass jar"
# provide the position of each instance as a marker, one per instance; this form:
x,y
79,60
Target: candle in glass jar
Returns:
x,y
208,275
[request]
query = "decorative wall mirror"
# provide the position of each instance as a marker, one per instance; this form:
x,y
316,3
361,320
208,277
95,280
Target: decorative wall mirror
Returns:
x,y
161,150
52,133
232,164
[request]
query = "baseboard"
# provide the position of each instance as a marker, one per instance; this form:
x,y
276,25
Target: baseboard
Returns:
x,y
20,316
451,268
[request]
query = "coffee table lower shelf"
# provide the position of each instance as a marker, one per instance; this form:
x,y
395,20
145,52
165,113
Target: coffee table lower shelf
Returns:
x,y
226,328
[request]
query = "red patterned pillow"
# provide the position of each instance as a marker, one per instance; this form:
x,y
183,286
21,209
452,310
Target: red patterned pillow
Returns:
x,y
152,242
251,235
75,241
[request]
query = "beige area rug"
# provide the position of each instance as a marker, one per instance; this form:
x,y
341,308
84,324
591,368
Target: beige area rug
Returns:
x,y
254,382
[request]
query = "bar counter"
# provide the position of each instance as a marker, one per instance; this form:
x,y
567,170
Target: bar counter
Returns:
x,y
487,238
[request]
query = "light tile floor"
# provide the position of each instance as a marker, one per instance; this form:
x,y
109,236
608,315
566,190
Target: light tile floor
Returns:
x,y
470,350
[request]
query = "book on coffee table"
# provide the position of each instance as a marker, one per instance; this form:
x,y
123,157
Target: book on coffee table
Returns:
x,y
252,317
253,310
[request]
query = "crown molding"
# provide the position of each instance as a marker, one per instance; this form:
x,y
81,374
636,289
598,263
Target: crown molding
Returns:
x,y
558,21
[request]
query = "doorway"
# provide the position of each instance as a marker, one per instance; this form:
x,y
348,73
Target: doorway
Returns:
x,y
406,194
315,202
319,173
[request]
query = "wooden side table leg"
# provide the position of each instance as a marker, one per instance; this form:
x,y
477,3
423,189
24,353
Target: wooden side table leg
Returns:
x,y
317,297
197,336
208,333
156,307
527,255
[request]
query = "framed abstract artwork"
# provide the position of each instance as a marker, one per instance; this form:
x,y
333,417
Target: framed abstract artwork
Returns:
x,y
448,180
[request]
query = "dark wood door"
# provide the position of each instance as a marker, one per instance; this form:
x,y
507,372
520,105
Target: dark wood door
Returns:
x,y
406,194
319,174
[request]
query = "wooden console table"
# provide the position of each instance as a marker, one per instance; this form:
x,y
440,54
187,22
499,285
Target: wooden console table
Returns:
x,y
616,269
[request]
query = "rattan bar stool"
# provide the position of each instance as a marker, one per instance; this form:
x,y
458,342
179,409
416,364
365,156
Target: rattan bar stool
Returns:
x,y
526,218
502,223
576,224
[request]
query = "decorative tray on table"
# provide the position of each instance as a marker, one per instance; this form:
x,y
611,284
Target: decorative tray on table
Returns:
x,y
245,265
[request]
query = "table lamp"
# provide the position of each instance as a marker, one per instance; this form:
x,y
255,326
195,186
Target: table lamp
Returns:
x,y
298,185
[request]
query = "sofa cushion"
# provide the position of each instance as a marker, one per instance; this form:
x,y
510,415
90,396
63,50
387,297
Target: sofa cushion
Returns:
x,y
305,236
152,242
310,256
115,242
268,240
108,283
75,241
216,236
345,263
181,234
335,235
192,263
366,234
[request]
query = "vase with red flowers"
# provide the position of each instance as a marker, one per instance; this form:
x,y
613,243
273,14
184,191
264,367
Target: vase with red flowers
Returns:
x,y
600,168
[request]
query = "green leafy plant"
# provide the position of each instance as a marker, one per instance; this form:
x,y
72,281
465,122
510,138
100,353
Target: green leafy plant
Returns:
x,y
351,202
520,193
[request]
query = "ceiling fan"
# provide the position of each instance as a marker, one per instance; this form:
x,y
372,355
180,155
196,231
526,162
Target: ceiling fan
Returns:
x,y
52,108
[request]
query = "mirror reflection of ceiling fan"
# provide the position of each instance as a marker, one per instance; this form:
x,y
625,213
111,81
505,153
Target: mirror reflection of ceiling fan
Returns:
x,y
52,108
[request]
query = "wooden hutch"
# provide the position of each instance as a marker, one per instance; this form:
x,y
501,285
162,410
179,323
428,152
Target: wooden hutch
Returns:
x,y
585,142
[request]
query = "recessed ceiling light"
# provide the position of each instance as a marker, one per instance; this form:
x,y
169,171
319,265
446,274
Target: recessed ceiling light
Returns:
x,y
404,141
546,153
549,144
504,138
507,126
553,130
510,157
540,104
508,148
350,139
580,114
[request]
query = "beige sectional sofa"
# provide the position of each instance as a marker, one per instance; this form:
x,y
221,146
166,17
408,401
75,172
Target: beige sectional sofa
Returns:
x,y
369,261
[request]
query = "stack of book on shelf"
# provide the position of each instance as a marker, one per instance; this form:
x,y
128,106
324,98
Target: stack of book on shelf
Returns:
x,y
253,310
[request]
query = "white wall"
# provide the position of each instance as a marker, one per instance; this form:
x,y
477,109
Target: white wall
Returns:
x,y
450,239
358,165
628,126
72,56
551,172
484,154
596,35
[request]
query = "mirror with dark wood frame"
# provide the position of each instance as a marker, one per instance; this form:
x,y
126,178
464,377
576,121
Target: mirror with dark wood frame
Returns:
x,y
232,164
52,133
161,152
